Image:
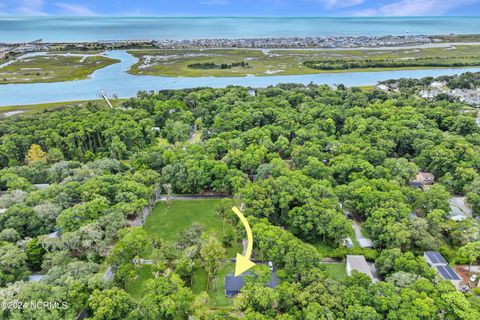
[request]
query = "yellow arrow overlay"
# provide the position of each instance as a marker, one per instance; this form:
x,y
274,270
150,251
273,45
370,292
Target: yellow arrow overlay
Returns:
x,y
243,262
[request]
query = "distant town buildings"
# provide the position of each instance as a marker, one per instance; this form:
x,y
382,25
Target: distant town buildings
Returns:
x,y
8,49
298,42
432,90
468,96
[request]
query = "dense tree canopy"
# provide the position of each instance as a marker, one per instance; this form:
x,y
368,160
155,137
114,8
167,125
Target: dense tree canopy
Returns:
x,y
302,160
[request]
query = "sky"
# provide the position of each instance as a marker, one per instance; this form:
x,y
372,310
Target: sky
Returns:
x,y
241,7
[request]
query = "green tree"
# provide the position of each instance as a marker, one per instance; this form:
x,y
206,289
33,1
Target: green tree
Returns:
x,y
35,253
211,257
133,242
111,304
469,252
13,264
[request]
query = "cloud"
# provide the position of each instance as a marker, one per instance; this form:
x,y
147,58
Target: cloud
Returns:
x,y
333,4
30,7
414,8
75,9
214,2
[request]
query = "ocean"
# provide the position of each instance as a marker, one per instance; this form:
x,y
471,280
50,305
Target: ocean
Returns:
x,y
71,29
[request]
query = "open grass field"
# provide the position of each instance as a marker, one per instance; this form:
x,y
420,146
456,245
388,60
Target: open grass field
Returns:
x,y
285,62
168,223
52,68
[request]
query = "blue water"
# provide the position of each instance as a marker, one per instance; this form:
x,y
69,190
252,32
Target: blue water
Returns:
x,y
114,80
17,29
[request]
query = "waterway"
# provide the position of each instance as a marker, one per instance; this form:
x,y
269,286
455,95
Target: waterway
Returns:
x,y
114,79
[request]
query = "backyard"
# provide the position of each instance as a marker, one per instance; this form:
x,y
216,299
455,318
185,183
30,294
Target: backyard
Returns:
x,y
167,223
335,270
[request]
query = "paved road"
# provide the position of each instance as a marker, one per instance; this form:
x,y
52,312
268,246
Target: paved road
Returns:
x,y
358,233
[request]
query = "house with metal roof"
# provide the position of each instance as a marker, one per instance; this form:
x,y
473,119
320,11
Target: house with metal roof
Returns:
x,y
365,243
360,264
459,210
55,234
437,261
233,284
35,277
434,258
41,186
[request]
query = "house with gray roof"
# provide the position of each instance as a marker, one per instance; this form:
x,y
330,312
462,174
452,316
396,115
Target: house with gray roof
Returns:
x,y
360,264
233,284
458,209
437,261
423,180
41,186
35,277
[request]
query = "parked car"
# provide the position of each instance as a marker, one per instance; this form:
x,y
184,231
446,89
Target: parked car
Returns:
x,y
347,242
270,265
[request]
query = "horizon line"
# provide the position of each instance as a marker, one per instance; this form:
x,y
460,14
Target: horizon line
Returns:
x,y
226,16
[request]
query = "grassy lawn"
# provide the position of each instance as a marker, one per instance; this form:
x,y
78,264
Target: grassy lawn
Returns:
x,y
281,62
216,293
52,68
135,287
336,270
168,223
